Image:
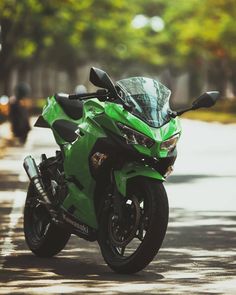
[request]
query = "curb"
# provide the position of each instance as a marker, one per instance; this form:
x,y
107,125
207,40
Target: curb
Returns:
x,y
5,137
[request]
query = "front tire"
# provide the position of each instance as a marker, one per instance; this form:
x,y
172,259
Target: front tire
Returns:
x,y
44,238
129,246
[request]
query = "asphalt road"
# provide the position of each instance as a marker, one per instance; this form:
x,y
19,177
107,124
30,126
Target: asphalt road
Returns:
x,y
198,254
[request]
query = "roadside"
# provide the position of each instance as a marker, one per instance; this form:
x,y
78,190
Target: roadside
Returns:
x,y
223,112
197,256
211,116
5,137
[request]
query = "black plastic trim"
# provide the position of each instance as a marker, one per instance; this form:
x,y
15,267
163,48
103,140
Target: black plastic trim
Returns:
x,y
41,122
66,129
73,108
77,227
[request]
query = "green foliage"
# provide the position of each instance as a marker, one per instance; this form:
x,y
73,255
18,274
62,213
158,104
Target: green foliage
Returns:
x,y
69,33
85,29
212,116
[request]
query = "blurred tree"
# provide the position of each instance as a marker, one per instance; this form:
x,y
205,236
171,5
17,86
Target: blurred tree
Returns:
x,y
23,32
66,33
199,37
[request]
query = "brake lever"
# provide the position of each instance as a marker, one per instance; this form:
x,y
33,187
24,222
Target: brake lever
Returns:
x,y
172,114
125,105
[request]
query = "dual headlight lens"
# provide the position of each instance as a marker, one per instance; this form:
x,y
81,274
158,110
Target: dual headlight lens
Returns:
x,y
170,143
134,137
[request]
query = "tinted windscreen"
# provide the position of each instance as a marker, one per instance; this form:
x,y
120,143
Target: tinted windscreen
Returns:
x,y
149,99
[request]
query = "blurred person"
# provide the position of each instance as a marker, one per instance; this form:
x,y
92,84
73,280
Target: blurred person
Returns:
x,y
80,89
18,112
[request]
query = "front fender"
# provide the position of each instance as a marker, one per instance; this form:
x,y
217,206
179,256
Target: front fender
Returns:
x,y
131,170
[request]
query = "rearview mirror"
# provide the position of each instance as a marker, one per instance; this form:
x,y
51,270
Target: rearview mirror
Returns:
x,y
101,79
206,100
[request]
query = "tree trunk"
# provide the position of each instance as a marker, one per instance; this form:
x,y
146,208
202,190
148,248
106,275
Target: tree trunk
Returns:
x,y
233,77
195,81
7,63
218,74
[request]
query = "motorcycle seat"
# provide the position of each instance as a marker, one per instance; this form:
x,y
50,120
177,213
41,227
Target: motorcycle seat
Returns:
x,y
72,108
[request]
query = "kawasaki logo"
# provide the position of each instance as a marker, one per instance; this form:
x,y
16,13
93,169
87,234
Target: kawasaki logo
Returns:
x,y
79,226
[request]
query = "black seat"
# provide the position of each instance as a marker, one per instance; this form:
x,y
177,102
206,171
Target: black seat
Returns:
x,y
66,129
73,108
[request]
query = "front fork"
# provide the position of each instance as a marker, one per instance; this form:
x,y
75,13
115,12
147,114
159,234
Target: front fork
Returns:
x,y
116,199
120,180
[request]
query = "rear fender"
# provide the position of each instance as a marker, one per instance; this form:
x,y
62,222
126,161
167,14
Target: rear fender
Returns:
x,y
132,170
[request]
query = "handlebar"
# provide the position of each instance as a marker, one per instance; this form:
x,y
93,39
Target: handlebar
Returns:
x,y
100,94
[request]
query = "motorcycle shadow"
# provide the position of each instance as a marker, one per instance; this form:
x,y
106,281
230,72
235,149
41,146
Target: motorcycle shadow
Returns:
x,y
71,266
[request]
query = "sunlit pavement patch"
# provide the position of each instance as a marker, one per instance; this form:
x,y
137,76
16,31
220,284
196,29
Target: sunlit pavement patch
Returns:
x,y
183,266
206,194
15,214
5,206
197,256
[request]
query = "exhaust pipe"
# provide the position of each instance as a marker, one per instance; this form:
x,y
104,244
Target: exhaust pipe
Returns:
x,y
34,176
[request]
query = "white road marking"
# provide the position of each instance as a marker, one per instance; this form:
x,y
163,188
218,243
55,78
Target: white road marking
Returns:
x,y
16,213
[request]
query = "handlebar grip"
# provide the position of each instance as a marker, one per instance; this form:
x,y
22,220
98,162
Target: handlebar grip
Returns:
x,y
81,96
73,96
101,93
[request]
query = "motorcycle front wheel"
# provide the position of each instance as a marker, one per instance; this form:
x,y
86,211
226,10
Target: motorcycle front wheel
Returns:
x,y
130,244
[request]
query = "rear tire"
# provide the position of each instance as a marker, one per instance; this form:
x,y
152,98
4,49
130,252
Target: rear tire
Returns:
x,y
44,238
153,195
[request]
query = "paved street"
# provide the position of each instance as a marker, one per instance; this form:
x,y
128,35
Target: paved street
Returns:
x,y
197,257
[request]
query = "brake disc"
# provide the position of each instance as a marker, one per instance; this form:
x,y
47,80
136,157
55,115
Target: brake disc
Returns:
x,y
121,233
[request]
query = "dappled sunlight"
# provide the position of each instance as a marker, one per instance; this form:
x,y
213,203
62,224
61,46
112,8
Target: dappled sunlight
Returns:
x,y
10,181
232,229
197,255
203,193
184,263
214,221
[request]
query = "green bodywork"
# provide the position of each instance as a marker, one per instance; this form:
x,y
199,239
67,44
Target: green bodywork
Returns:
x,y
131,170
97,117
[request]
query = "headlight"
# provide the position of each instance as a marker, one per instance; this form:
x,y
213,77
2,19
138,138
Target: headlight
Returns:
x,y
134,137
170,143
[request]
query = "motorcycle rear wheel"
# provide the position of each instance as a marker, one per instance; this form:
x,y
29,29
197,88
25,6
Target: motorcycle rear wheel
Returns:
x,y
44,238
130,246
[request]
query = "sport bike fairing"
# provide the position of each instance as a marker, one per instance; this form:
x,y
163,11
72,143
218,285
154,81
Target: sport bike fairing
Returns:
x,y
149,98
117,146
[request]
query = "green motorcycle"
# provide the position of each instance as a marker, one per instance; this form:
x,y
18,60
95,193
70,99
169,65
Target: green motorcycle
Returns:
x,y
105,183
